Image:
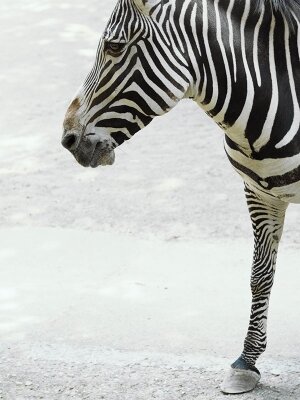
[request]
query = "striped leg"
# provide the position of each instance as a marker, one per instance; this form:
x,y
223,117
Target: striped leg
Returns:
x,y
267,216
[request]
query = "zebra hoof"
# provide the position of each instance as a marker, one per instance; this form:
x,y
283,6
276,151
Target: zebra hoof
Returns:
x,y
241,378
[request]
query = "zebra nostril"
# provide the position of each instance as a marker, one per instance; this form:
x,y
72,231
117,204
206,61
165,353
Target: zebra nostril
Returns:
x,y
69,141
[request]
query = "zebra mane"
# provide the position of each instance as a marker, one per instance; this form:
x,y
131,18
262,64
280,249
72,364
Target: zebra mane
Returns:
x,y
285,7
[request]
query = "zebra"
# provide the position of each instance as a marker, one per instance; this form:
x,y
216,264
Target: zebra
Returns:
x,y
240,62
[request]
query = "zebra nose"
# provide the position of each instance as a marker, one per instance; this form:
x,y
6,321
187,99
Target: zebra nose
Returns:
x,y
69,141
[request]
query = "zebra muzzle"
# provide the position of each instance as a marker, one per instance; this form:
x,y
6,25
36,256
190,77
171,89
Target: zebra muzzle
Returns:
x,y
90,150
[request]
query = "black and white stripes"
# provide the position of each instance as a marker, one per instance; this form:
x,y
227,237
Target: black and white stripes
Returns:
x,y
240,61
240,65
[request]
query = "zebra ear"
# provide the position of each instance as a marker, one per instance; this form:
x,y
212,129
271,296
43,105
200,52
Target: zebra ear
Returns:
x,y
147,6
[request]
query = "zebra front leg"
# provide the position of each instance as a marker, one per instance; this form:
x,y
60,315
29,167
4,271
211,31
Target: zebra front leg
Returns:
x,y
267,216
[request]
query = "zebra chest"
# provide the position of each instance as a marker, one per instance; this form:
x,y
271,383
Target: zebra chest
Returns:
x,y
277,177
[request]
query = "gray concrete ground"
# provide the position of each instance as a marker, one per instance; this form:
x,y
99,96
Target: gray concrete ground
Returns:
x,y
150,319
128,282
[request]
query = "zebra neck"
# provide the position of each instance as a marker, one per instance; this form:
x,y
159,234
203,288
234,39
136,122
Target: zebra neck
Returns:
x,y
244,76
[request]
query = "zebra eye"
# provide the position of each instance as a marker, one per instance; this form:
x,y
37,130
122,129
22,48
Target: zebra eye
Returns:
x,y
114,48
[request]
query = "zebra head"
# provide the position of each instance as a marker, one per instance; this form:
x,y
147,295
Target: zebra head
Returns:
x,y
139,73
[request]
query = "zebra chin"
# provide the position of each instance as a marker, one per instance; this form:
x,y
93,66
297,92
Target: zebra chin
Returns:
x,y
99,157
104,159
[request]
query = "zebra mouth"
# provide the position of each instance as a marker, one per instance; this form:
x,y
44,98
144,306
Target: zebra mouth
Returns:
x,y
91,150
102,156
